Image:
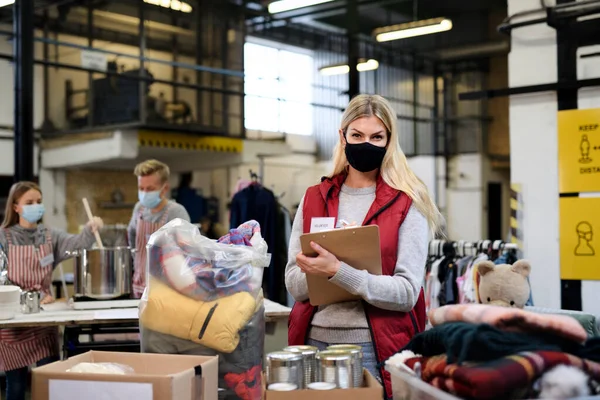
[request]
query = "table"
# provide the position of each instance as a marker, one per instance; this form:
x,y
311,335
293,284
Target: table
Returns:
x,y
60,314
125,321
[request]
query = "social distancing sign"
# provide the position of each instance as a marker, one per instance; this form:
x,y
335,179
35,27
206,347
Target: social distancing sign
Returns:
x,y
580,238
579,151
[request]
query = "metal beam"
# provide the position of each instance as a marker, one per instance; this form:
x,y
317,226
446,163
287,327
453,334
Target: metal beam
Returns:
x,y
90,43
130,56
142,114
567,99
326,10
545,87
353,48
146,79
23,94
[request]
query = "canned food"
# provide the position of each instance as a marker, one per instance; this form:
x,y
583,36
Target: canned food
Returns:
x,y
321,386
309,359
285,367
335,366
357,360
282,387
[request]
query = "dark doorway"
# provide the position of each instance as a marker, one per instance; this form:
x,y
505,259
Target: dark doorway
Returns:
x,y
494,202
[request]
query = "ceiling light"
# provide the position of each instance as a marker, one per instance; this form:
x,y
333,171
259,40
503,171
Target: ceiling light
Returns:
x,y
362,66
412,29
287,5
4,3
175,5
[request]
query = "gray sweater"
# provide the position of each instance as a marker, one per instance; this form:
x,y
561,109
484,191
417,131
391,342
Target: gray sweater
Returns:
x,y
61,240
346,322
176,210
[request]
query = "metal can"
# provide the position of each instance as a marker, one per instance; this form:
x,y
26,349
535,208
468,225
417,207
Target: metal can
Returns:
x,y
321,386
282,387
285,367
335,366
357,360
309,359
30,302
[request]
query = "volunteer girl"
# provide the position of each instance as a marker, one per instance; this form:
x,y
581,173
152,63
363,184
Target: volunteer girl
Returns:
x,y
371,184
33,251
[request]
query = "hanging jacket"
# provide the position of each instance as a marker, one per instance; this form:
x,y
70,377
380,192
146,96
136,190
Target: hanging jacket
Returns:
x,y
259,203
390,330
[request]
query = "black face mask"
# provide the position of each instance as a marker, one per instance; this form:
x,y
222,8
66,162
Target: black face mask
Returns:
x,y
364,157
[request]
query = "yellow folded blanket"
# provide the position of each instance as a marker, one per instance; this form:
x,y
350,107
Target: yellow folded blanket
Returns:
x,y
214,324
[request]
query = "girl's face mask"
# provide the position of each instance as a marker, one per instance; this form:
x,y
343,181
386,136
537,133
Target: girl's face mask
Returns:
x,y
32,213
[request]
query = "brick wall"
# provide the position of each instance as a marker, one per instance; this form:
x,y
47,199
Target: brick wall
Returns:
x,y
97,186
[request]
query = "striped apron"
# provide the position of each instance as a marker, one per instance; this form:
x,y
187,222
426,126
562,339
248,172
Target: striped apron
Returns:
x,y
143,231
22,347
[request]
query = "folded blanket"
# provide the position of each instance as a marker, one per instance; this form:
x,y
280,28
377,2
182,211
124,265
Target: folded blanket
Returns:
x,y
504,378
510,319
214,324
461,341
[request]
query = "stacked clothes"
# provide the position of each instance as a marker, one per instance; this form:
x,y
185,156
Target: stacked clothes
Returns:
x,y
487,352
204,297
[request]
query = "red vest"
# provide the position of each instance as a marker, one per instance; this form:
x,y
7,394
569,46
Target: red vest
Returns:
x,y
390,330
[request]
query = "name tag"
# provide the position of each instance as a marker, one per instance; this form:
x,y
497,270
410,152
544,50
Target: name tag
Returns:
x,y
47,261
321,224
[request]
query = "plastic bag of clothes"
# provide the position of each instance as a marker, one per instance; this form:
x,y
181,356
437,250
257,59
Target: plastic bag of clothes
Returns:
x,y
240,372
204,297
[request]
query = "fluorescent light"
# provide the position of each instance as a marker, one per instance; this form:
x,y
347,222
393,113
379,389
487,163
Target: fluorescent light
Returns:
x,y
335,70
368,65
287,5
175,5
4,3
362,66
412,29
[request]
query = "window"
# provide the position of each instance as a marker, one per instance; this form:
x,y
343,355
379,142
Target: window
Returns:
x,y
278,87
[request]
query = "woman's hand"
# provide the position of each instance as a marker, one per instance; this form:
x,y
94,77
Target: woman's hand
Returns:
x,y
326,264
47,300
95,224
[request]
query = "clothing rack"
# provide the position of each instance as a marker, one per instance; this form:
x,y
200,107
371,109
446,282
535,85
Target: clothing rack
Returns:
x,y
254,177
462,247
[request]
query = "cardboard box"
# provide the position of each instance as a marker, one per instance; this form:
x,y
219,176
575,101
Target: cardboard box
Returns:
x,y
156,377
371,390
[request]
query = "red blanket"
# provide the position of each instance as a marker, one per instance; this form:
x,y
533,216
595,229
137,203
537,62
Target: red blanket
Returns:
x,y
498,379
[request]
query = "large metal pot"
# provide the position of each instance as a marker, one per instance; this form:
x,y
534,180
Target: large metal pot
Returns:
x,y
103,274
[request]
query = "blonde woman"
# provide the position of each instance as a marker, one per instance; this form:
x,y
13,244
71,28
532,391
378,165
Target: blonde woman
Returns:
x,y
33,251
371,184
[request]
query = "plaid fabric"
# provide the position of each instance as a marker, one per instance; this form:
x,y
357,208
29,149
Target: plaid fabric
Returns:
x,y
211,280
510,319
503,378
461,342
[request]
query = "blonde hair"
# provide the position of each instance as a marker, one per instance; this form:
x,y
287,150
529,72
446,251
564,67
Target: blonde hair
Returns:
x,y
150,167
394,169
17,191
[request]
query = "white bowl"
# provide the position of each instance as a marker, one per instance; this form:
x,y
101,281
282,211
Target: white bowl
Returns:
x,y
10,294
8,311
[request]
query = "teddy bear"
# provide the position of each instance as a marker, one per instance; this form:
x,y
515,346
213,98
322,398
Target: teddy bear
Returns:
x,y
504,285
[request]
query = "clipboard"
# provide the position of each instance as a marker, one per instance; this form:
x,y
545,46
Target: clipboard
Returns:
x,y
358,247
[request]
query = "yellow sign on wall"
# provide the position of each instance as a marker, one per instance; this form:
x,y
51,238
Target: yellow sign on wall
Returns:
x,y
580,238
579,151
